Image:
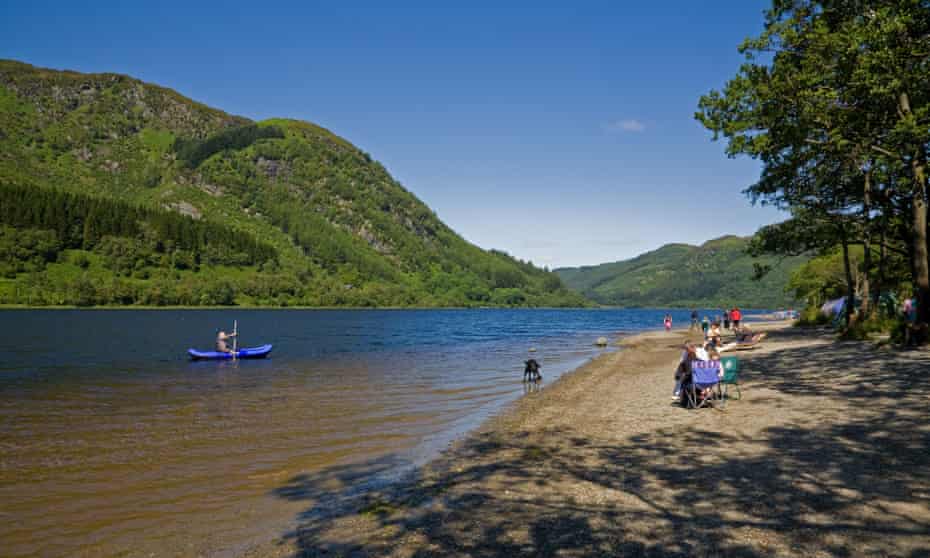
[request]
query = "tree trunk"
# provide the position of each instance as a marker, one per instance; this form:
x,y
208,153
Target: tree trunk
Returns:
x,y
882,256
920,264
850,285
867,300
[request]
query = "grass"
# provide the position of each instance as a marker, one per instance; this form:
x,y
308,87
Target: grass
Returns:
x,y
157,140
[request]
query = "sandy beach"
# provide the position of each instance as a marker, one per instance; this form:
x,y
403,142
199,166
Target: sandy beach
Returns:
x,y
825,454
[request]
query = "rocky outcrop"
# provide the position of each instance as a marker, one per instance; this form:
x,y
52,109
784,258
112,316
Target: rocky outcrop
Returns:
x,y
185,208
56,94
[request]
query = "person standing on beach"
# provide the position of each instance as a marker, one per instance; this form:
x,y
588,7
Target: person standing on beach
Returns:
x,y
715,335
705,325
668,322
694,321
736,316
726,319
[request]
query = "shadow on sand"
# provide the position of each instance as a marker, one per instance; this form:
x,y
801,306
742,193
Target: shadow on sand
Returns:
x,y
852,479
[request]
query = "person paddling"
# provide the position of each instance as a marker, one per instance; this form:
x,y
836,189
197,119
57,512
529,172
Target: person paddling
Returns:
x,y
221,338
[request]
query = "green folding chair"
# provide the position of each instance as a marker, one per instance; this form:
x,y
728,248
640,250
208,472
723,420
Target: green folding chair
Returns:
x,y
730,365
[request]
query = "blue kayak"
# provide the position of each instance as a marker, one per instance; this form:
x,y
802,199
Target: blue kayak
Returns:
x,y
251,352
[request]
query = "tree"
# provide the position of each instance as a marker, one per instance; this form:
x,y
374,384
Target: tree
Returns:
x,y
834,99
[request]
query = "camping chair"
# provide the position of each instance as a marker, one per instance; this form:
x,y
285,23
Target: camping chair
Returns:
x,y
730,365
704,374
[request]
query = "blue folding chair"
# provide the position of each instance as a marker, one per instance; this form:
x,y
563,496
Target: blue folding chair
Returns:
x,y
704,385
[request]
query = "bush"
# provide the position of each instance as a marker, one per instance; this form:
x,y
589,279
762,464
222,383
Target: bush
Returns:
x,y
862,330
905,333
81,260
855,332
812,317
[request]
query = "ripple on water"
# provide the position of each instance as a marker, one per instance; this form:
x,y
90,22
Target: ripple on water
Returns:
x,y
112,442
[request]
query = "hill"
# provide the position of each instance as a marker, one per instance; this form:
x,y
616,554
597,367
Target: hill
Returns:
x,y
717,274
116,191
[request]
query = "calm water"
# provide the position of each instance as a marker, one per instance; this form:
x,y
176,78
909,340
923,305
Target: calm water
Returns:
x,y
112,443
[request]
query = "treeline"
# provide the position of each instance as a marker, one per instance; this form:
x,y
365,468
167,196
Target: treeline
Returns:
x,y
195,151
834,100
36,270
26,250
82,222
329,246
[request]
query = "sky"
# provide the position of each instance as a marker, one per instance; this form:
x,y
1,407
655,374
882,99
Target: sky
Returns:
x,y
559,132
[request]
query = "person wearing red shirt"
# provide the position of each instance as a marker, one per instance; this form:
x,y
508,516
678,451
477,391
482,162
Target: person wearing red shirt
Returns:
x,y
735,317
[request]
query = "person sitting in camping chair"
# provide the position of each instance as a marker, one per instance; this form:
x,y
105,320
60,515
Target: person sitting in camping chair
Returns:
x,y
701,382
690,353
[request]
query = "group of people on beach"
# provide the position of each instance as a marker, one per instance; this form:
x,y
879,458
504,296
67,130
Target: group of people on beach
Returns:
x,y
727,317
713,344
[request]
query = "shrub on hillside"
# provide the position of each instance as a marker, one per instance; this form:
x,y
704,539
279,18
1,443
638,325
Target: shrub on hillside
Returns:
x,y
194,151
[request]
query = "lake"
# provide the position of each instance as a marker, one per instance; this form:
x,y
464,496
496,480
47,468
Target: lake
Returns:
x,y
113,443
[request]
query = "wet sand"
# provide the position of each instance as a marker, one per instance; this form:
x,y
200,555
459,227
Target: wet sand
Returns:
x,y
827,453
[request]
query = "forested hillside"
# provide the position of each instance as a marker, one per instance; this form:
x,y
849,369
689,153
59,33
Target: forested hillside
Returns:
x,y
116,191
716,274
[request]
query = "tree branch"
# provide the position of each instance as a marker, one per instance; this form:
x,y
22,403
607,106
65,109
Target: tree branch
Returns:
x,y
884,151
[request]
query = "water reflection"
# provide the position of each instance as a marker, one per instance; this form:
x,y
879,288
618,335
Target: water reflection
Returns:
x,y
531,387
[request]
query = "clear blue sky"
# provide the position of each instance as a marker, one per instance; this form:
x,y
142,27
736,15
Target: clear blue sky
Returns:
x,y
559,132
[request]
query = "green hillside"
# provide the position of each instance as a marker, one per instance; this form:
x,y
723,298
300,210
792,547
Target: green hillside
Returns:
x,y
116,191
717,274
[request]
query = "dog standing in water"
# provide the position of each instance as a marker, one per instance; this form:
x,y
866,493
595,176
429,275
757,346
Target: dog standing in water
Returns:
x,y
531,372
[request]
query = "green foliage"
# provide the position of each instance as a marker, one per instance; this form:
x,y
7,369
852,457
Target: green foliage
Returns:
x,y
289,213
811,316
195,151
719,273
822,278
862,330
81,221
26,251
834,101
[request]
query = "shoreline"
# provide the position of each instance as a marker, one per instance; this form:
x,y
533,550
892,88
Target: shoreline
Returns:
x,y
407,488
600,462
247,307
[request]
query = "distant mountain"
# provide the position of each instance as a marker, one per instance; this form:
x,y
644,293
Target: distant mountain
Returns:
x,y
717,274
116,191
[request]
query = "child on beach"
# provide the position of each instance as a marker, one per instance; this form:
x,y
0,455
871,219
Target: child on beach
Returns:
x,y
668,322
715,335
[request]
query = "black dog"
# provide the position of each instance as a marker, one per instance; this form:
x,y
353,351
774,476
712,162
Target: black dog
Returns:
x,y
531,371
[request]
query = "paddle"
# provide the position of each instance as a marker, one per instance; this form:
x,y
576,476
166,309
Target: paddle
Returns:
x,y
235,339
